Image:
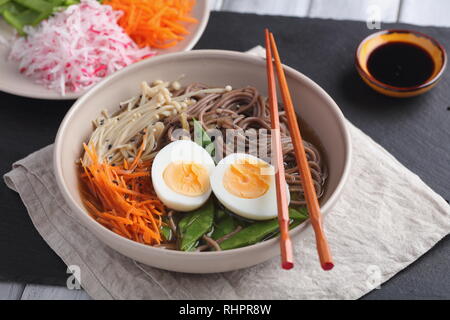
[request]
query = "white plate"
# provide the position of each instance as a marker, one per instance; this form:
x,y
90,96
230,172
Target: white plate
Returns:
x,y
12,81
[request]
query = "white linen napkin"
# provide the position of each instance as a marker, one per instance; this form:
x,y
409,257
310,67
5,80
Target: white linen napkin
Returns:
x,y
386,218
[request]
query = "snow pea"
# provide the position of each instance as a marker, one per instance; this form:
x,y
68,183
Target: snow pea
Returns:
x,y
20,13
67,3
194,225
202,138
260,231
166,232
220,213
19,17
254,233
224,226
36,5
298,214
12,7
14,20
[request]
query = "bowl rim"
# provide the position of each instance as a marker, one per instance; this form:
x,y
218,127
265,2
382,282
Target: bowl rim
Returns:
x,y
50,94
383,85
97,229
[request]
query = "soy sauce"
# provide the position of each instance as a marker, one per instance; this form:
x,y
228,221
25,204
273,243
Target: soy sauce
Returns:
x,y
400,64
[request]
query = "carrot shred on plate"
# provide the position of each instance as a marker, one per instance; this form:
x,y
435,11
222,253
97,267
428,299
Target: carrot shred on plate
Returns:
x,y
121,198
155,23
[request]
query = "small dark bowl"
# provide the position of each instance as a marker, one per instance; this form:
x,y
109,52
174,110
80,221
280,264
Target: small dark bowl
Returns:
x,y
427,43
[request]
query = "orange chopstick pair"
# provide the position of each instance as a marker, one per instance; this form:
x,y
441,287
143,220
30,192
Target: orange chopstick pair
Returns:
x,y
312,202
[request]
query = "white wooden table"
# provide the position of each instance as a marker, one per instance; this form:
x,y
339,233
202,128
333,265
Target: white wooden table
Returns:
x,y
421,12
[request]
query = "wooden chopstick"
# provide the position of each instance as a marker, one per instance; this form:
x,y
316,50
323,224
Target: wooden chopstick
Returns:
x,y
287,257
312,203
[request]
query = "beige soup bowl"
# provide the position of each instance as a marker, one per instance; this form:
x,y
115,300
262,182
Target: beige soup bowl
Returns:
x,y
216,68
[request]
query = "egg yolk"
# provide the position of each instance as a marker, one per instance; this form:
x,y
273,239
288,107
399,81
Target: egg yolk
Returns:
x,y
187,178
245,179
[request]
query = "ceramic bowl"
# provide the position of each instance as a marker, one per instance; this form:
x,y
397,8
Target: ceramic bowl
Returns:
x,y
12,81
215,68
427,43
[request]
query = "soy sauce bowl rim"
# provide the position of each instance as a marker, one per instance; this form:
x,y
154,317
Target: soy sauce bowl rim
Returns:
x,y
379,83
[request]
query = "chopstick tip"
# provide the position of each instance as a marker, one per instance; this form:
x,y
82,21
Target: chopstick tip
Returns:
x,y
287,265
327,266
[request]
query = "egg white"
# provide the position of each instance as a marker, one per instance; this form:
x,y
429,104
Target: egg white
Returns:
x,y
181,150
262,208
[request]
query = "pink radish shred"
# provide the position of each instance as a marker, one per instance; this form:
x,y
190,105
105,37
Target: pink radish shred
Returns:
x,y
76,48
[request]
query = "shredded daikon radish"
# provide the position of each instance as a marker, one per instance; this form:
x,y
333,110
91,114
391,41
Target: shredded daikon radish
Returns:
x,y
76,48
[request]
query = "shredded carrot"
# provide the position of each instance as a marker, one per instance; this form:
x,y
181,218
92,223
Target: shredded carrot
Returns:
x,y
121,198
154,23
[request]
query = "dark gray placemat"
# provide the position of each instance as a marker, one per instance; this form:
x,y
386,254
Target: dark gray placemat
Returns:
x,y
416,131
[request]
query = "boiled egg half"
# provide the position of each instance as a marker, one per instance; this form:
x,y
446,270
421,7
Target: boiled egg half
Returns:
x,y
245,185
181,175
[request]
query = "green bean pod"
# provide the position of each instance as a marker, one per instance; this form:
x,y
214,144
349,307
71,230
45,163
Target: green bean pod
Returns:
x,y
166,233
194,225
254,233
259,231
224,226
36,5
202,138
